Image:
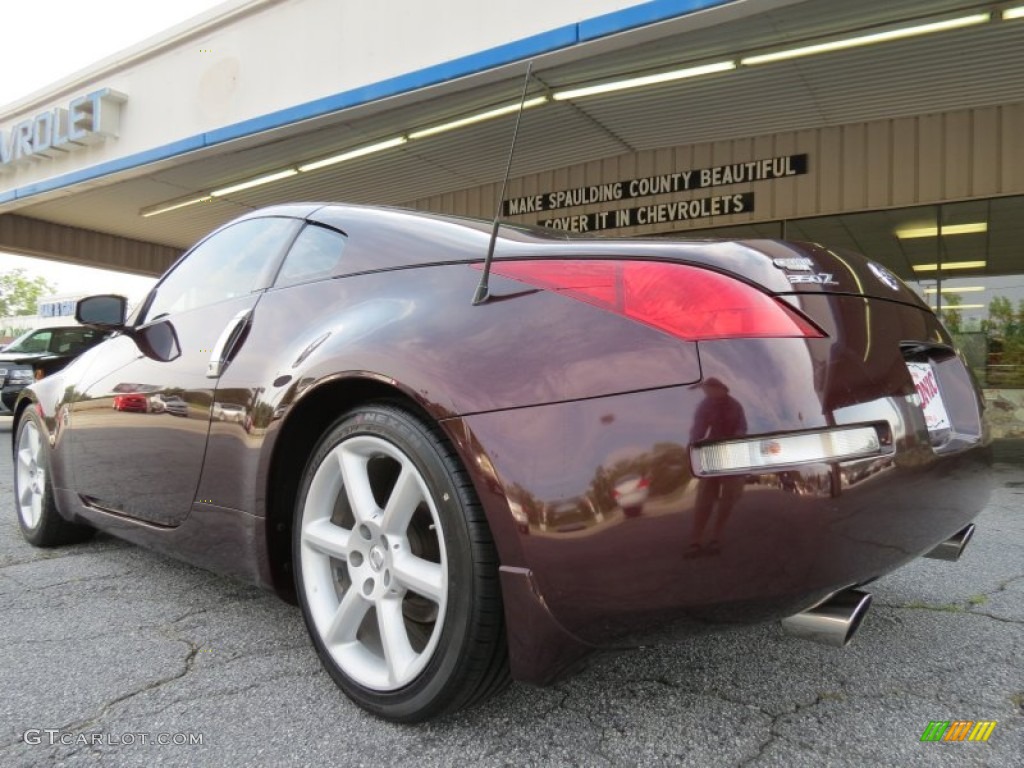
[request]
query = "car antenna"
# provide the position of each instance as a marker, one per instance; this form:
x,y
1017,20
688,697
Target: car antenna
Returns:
x,y
482,288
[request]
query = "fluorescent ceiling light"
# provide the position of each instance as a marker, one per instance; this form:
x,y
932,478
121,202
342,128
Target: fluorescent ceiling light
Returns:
x,y
637,82
353,153
876,37
1014,13
947,229
964,289
477,118
948,265
259,181
168,207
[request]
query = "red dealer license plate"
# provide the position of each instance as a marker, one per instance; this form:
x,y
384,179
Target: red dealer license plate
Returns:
x,y
935,414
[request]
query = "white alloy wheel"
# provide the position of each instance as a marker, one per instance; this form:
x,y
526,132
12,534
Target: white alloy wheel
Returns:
x,y
395,568
31,475
40,522
373,561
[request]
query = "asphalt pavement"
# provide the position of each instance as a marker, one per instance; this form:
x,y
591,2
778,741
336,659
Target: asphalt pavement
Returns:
x,y
107,651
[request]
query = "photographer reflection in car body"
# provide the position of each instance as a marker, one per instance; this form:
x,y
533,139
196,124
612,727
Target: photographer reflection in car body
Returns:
x,y
719,417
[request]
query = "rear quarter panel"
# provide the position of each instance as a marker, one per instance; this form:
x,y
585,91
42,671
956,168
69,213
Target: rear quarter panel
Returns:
x,y
417,330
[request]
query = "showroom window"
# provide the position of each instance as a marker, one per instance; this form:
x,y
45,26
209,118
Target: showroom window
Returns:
x,y
965,259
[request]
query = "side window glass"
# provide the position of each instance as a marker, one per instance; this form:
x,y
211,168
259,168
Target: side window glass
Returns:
x,y
314,256
39,342
234,262
72,340
75,340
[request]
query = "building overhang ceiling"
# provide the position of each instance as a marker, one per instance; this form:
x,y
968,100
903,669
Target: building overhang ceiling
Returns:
x,y
975,66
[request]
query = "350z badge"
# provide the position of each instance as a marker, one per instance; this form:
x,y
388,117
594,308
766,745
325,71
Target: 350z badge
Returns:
x,y
820,278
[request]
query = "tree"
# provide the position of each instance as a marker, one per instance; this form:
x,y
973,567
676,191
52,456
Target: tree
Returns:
x,y
1005,329
951,316
19,293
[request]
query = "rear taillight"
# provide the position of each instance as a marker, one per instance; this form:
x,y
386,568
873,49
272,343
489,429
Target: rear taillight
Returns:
x,y
689,302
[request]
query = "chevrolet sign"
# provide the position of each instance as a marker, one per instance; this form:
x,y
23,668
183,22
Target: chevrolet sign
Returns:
x,y
86,120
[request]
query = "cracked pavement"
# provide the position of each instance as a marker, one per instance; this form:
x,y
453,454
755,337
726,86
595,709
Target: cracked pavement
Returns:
x,y
105,637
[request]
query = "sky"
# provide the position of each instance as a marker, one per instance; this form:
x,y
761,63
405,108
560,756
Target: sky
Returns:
x,y
46,42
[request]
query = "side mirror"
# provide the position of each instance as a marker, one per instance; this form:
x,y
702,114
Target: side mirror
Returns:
x,y
105,312
157,341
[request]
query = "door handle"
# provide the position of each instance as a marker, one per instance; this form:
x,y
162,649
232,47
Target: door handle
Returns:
x,y
225,344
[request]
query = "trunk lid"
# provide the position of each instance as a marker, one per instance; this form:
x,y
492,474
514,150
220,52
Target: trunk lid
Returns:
x,y
813,268
776,266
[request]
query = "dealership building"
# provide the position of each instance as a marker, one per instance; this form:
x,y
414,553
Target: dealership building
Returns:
x,y
894,128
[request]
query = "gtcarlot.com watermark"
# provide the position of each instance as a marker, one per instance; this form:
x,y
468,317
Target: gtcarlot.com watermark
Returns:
x,y
51,737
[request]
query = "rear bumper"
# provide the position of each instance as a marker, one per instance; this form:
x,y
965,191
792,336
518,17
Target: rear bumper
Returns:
x,y
742,548
787,538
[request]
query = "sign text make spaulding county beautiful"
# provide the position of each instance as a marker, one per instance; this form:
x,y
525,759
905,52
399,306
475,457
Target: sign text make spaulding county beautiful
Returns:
x,y
661,184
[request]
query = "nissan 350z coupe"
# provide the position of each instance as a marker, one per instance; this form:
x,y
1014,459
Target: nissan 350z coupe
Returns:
x,y
458,493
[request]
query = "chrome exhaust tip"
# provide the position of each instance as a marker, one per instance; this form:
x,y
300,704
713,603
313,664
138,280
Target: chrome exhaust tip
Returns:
x,y
954,546
833,621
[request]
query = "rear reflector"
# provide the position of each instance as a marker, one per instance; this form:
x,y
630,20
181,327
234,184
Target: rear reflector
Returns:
x,y
769,452
688,302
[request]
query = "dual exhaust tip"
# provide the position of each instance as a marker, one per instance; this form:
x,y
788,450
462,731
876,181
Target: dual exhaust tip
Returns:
x,y
836,619
953,547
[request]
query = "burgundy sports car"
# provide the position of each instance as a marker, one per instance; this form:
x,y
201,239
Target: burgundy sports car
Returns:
x,y
730,431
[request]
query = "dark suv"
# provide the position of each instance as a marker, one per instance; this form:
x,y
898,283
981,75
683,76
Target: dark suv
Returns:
x,y
39,353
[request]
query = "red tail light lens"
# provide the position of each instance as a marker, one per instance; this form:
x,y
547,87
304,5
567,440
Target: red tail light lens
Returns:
x,y
689,302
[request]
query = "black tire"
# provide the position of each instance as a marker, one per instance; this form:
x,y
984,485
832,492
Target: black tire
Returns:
x,y
404,655
40,522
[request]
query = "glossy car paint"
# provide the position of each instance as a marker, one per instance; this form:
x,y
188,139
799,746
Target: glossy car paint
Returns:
x,y
550,403
791,538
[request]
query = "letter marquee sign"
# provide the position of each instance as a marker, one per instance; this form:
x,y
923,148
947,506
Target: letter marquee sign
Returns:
x,y
683,210
661,184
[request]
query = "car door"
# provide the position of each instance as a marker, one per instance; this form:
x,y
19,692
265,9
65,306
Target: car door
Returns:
x,y
142,456
280,333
